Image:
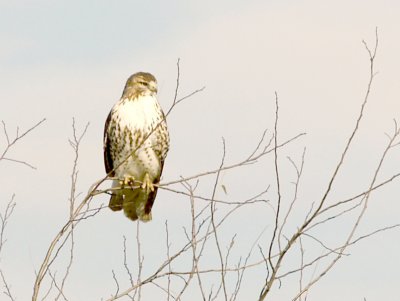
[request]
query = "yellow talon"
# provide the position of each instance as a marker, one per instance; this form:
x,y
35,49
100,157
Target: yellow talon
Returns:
x,y
147,184
127,181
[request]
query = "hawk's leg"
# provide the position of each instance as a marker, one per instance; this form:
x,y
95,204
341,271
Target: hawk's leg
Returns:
x,y
147,184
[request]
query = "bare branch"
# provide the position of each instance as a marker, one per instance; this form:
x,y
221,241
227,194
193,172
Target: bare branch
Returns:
x,y
12,142
265,290
126,263
7,291
278,186
140,260
5,217
212,207
245,162
67,229
116,283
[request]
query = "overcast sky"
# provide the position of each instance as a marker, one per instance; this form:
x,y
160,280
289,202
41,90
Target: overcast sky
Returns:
x,y
65,59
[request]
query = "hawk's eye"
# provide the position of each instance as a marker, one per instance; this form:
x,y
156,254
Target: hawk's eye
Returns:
x,y
144,84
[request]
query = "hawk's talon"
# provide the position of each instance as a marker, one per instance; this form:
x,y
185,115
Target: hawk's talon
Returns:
x,y
147,184
127,181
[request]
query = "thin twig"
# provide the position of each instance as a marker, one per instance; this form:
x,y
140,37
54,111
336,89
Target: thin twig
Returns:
x,y
212,213
18,137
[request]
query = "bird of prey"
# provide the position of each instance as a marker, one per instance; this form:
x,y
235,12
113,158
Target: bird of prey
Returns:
x,y
136,143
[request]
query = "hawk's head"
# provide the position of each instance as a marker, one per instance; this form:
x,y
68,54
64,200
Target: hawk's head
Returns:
x,y
140,83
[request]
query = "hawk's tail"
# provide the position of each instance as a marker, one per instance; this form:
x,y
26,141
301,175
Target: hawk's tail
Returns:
x,y
136,203
130,203
115,203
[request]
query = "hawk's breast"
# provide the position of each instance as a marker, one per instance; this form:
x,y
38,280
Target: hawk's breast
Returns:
x,y
138,130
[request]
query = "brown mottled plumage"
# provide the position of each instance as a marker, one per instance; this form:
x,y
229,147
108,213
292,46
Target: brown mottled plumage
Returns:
x,y
136,142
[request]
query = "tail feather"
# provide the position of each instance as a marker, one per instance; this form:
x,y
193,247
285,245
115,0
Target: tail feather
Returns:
x,y
115,203
130,203
136,203
116,199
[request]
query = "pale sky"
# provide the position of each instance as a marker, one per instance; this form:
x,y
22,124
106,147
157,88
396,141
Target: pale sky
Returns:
x,y
65,59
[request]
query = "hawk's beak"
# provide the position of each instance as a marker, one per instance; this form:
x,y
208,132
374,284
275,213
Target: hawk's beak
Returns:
x,y
153,87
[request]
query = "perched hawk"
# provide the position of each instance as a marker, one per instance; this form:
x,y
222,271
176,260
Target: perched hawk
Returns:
x,y
136,142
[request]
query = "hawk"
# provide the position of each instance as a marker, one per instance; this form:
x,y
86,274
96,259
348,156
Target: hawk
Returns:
x,y
136,143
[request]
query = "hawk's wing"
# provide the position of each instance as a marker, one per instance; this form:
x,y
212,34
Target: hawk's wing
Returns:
x,y
108,161
153,194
